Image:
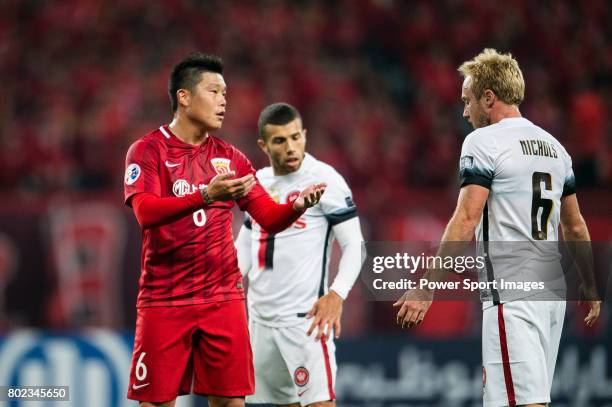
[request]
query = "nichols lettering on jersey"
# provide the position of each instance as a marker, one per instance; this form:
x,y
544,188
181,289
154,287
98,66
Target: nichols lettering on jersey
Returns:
x,y
538,147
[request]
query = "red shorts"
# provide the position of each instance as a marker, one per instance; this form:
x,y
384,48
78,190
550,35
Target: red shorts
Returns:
x,y
207,344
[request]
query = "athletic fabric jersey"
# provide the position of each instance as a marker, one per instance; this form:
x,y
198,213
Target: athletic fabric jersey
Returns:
x,y
527,172
192,260
289,269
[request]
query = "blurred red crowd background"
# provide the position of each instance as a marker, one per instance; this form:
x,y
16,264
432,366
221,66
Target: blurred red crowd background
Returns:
x,y
375,81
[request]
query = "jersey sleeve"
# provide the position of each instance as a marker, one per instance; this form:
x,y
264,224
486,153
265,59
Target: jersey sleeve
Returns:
x,y
141,170
337,201
477,162
569,184
244,167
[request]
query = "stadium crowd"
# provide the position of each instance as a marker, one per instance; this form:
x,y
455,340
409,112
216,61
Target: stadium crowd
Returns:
x,y
376,81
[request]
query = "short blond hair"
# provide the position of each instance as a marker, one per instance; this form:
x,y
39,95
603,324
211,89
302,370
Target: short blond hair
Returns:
x,y
498,72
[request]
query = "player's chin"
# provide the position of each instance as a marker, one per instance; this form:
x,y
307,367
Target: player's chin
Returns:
x,y
216,123
292,165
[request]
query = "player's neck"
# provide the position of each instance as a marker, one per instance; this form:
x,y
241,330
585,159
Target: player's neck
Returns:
x,y
187,131
504,112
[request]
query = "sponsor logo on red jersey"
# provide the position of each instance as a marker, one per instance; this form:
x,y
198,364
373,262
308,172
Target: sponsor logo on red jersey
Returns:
x,y
182,187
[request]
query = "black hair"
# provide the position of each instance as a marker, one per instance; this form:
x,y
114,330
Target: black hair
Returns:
x,y
187,73
277,113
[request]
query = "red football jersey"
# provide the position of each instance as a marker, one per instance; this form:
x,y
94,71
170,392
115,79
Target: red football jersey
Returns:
x,y
192,260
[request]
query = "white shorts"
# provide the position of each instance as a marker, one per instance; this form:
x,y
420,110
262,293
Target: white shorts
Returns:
x,y
291,367
520,341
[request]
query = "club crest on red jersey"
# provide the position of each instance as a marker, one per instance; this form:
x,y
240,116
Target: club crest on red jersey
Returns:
x,y
221,165
301,376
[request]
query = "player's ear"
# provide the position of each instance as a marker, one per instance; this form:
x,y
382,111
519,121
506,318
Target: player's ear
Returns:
x,y
489,98
262,144
183,96
304,134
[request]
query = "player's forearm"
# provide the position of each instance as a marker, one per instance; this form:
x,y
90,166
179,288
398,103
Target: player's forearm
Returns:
x,y
577,236
577,231
349,237
272,217
152,211
457,235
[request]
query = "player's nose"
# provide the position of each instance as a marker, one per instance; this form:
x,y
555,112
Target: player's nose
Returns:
x,y
291,146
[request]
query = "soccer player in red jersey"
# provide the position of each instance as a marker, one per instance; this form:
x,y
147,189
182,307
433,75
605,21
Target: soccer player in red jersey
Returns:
x,y
182,183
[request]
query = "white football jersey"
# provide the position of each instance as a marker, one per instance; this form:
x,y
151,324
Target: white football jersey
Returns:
x,y
527,172
289,270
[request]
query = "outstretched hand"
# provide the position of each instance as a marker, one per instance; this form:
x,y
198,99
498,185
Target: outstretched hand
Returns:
x,y
309,197
414,304
589,296
327,312
223,188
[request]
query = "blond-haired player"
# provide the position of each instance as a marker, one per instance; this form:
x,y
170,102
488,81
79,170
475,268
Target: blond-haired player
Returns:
x,y
517,185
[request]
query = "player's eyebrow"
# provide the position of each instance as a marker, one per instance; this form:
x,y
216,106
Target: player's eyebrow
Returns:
x,y
216,86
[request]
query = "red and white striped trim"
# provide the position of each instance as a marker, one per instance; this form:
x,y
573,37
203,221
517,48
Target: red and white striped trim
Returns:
x,y
164,132
330,384
505,356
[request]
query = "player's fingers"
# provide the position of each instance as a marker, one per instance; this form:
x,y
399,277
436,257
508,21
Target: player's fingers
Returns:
x,y
222,177
243,189
325,329
590,319
329,328
420,318
320,329
307,202
401,313
337,328
312,327
240,181
593,314
250,184
406,321
312,312
414,317
320,332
